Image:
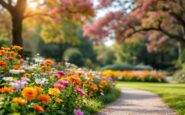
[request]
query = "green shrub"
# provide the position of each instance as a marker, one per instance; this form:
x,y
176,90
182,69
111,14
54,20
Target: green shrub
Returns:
x,y
122,67
74,56
180,76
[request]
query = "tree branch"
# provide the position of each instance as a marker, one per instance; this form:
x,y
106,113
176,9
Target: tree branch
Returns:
x,y
9,7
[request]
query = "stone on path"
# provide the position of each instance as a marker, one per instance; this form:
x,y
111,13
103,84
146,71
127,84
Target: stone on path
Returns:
x,y
137,102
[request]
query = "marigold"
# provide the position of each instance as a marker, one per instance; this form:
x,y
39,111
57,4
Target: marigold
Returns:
x,y
7,89
38,89
16,47
18,100
2,63
38,108
58,100
44,98
27,75
48,62
29,93
54,91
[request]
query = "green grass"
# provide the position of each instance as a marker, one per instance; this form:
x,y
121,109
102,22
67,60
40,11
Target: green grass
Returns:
x,y
172,94
95,105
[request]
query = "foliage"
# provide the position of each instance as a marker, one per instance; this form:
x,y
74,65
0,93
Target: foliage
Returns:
x,y
96,104
105,56
179,76
74,56
122,67
144,76
147,17
41,86
173,98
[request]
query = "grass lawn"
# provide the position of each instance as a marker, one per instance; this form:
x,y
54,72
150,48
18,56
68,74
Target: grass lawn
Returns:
x,y
172,94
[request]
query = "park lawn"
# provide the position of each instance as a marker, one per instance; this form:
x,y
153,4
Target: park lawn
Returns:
x,y
172,94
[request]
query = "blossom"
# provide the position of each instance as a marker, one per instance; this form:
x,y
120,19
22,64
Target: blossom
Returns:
x,y
14,71
19,84
63,82
54,91
59,86
44,98
78,112
18,100
7,89
16,47
78,90
29,93
38,108
3,63
58,100
48,62
61,73
8,78
41,81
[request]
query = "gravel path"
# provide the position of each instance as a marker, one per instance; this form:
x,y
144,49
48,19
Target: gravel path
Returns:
x,y
137,102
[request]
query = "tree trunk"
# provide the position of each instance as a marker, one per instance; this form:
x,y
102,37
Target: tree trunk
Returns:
x,y
17,30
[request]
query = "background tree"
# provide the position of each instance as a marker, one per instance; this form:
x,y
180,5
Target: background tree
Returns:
x,y
148,17
19,10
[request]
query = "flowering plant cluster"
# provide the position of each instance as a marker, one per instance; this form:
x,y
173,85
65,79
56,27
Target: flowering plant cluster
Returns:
x,y
41,86
145,76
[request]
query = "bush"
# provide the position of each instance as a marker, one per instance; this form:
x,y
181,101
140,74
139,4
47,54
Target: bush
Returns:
x,y
180,76
122,67
74,56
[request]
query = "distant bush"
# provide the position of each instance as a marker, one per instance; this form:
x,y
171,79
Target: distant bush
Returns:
x,y
180,76
122,67
74,56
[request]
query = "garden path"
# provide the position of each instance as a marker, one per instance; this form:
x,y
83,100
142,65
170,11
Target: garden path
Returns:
x,y
137,102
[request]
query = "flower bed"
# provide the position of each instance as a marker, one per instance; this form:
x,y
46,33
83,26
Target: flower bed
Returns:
x,y
43,86
145,76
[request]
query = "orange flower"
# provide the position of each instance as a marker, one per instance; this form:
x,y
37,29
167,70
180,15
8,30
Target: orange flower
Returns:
x,y
38,89
58,100
3,52
38,108
18,100
10,58
7,89
16,67
27,75
48,62
16,47
29,93
44,98
2,63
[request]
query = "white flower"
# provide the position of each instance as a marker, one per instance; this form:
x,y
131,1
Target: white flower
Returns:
x,y
13,71
8,78
41,81
19,84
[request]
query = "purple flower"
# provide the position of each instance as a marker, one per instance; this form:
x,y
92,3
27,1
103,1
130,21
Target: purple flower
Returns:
x,y
65,83
78,112
81,92
61,73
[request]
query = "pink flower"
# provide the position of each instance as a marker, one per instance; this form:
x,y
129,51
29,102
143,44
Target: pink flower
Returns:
x,y
78,112
61,73
80,91
59,86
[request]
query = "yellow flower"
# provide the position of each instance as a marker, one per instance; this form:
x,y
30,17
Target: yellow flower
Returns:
x,y
29,93
54,91
18,100
58,100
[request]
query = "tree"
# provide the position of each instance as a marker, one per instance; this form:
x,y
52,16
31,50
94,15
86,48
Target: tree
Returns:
x,y
161,18
57,9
